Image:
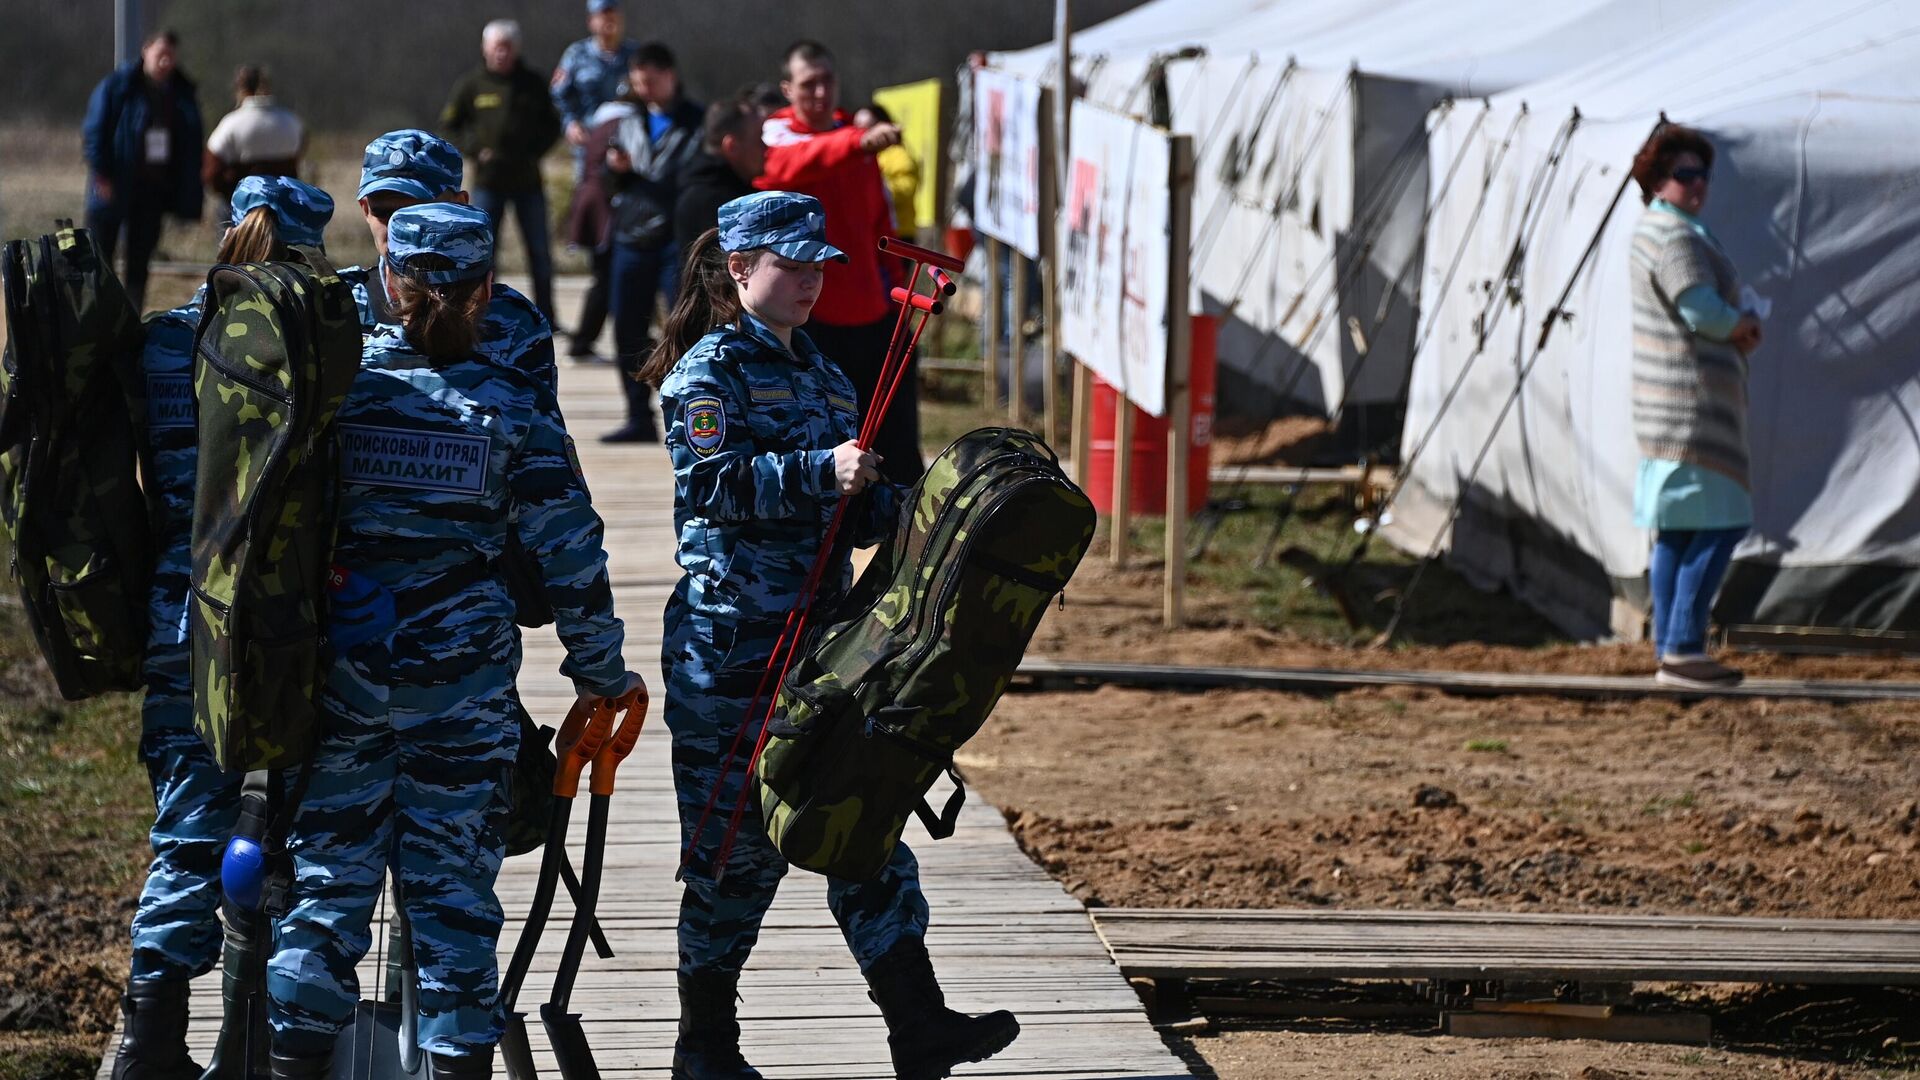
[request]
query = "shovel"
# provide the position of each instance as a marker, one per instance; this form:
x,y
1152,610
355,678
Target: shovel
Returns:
x,y
581,736
383,1040
569,1040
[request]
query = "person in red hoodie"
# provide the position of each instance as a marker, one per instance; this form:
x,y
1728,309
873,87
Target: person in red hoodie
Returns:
x,y
814,148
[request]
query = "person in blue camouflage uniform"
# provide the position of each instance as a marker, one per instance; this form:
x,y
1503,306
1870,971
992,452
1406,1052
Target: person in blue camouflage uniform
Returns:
x,y
592,72
761,430
408,167
176,934
443,455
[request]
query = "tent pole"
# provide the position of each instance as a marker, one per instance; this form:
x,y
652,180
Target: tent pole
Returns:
x,y
990,327
1017,342
126,31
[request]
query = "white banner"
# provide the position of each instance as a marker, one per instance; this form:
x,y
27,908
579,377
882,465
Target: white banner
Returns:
x,y
1114,232
1006,147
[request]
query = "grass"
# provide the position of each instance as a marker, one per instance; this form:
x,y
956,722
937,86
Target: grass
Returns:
x,y
74,811
1487,746
1661,804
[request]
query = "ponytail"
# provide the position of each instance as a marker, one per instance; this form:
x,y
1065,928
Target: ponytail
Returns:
x,y
254,238
441,321
707,298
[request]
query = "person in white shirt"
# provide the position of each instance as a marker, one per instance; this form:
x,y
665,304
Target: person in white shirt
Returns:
x,y
258,138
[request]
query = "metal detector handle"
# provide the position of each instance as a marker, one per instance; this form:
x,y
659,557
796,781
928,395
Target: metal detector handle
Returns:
x,y
615,750
587,726
918,301
895,246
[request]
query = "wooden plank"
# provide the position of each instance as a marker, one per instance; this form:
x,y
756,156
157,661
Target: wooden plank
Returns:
x,y
1179,385
1480,945
1095,673
1687,1029
1004,934
1351,475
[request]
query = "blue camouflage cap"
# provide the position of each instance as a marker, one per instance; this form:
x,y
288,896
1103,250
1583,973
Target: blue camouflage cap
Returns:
x,y
301,211
410,162
595,7
455,232
791,225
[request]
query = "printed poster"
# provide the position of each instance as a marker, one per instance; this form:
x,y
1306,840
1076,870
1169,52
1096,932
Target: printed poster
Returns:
x,y
1006,146
1114,235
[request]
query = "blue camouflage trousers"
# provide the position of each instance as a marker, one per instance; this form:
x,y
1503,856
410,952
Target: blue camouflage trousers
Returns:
x,y
411,779
712,673
176,931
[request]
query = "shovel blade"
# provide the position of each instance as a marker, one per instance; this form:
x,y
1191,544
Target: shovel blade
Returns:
x,y
516,1053
569,1041
369,1049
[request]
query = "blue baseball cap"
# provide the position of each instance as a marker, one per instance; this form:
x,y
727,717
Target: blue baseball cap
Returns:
x,y
791,225
300,211
410,162
460,234
595,7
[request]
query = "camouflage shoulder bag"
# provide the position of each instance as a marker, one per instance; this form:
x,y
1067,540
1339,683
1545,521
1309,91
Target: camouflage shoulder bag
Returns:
x,y
917,654
70,497
277,350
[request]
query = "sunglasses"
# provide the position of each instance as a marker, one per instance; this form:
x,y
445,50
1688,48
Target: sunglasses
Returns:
x,y
1692,174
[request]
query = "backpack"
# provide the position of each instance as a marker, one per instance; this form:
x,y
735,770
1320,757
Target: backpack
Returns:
x,y
913,659
277,350
71,505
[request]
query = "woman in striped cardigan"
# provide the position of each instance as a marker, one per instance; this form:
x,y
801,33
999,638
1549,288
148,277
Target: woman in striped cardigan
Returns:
x,y
1691,340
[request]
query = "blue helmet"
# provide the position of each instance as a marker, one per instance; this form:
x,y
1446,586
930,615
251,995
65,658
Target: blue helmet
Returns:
x,y
460,234
791,225
410,162
300,211
595,7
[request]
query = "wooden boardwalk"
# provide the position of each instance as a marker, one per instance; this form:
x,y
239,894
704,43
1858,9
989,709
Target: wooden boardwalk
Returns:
x,y
1319,944
1004,934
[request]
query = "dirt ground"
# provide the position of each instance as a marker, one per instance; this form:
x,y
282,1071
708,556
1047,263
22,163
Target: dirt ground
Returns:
x,y
1413,799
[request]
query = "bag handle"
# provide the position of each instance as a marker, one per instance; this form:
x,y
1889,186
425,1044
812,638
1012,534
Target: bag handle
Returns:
x,y
941,826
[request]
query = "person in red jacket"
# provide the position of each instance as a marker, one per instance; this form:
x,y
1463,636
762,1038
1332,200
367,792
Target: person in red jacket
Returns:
x,y
814,148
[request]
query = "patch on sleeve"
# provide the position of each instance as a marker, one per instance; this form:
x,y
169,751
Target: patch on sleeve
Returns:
x,y
843,404
573,459
706,425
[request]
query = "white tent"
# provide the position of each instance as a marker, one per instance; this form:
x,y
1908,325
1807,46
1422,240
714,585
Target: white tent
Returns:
x,y
1309,124
1813,108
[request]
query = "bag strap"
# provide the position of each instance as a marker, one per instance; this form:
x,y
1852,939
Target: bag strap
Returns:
x,y
940,827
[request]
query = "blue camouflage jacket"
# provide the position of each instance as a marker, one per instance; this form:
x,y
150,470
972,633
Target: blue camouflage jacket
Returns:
x,y
168,453
751,429
586,77
439,461
513,333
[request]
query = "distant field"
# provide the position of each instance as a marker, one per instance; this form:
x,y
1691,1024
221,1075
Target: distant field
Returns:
x,y
42,179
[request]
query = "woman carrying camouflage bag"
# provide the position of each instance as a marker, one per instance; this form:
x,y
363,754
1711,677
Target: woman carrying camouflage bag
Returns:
x,y
176,934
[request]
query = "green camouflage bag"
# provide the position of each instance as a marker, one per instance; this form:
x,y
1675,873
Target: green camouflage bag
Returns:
x,y
277,350
70,497
915,657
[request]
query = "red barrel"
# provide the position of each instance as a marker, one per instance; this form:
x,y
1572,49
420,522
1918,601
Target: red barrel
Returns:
x,y
1148,481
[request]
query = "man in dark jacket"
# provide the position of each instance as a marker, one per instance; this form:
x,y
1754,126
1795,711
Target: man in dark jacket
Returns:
x,y
142,143
649,150
502,118
731,155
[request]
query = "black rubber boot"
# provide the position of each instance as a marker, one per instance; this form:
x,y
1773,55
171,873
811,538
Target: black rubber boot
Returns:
x,y
709,1043
153,1040
927,1038
300,1068
639,427
465,1067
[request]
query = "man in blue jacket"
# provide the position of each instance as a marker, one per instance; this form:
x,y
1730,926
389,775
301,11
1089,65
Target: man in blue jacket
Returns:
x,y
142,140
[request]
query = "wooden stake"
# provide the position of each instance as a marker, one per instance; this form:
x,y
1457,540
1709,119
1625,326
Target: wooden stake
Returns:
x,y
1179,391
1017,343
1122,476
1082,426
990,325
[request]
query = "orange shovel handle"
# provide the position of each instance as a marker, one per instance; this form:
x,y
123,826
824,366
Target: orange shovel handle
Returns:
x,y
616,749
581,736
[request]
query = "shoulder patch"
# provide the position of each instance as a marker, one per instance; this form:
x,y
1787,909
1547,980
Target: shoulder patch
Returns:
x,y
573,459
706,425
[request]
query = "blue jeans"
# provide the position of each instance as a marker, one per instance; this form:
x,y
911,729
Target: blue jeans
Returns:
x,y
530,210
1687,569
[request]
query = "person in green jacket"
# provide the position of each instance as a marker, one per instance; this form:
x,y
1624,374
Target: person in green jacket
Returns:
x,y
502,118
